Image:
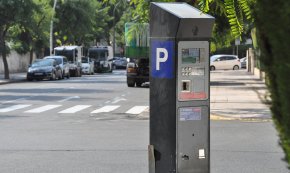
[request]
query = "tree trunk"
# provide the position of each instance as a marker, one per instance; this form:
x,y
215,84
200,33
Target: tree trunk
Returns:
x,y
4,56
30,56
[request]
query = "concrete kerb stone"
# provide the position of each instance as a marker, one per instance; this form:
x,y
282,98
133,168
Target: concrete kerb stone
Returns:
x,y
14,78
2,82
145,116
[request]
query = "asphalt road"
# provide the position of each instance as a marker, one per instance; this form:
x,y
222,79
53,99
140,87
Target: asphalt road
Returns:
x,y
88,124
96,124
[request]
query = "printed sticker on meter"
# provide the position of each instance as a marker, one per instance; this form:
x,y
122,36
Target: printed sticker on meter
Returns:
x,y
190,113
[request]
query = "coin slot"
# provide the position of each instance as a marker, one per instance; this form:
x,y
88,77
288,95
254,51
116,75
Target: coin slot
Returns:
x,y
185,86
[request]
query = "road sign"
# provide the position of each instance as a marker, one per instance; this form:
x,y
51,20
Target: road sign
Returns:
x,y
162,59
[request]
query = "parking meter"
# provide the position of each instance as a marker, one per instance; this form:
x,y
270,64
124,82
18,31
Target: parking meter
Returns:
x,y
179,89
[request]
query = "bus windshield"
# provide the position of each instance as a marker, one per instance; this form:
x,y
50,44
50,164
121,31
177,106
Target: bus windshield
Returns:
x,y
98,54
67,53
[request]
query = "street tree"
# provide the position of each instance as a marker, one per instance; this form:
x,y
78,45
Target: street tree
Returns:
x,y
74,21
101,23
238,12
12,12
120,11
33,38
141,11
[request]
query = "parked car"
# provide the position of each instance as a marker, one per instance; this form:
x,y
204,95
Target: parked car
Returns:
x,y
87,65
119,63
63,63
224,62
44,69
244,62
75,69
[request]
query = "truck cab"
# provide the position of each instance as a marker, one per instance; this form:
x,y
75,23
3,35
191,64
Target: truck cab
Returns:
x,y
137,72
137,49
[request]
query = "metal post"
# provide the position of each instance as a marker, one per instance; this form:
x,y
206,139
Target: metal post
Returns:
x,y
114,33
51,29
238,51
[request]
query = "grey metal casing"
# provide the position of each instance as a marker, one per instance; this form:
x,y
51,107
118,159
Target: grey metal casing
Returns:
x,y
171,134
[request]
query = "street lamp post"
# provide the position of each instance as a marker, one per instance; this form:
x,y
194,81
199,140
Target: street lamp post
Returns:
x,y
51,29
114,33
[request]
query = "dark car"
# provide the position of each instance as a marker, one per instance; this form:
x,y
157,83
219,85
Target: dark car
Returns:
x,y
44,69
137,72
63,63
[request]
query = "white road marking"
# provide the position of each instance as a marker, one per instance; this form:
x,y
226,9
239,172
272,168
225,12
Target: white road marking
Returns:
x,y
11,101
74,109
42,109
137,110
69,98
118,100
12,108
105,109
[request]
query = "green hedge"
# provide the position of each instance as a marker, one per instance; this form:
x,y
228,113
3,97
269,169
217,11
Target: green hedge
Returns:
x,y
273,26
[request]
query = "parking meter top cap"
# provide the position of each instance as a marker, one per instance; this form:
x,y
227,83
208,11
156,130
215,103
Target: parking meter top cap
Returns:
x,y
183,10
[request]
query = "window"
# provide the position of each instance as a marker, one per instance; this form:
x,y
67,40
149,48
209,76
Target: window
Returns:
x,y
230,58
64,60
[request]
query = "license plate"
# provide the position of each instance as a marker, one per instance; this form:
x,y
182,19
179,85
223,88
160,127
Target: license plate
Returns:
x,y
38,74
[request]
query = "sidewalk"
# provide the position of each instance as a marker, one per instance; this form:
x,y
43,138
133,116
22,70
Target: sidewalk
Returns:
x,y
14,77
243,136
238,95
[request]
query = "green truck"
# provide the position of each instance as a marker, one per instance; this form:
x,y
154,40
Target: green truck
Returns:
x,y
137,50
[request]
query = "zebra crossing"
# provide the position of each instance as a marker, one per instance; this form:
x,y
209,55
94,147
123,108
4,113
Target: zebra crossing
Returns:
x,y
29,108
12,108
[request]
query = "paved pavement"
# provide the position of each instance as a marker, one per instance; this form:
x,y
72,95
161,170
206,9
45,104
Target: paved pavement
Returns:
x,y
14,77
238,95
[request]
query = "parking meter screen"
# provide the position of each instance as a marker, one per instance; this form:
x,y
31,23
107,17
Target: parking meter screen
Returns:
x,y
190,56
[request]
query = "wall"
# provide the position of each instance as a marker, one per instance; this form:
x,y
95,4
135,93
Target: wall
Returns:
x,y
251,65
16,62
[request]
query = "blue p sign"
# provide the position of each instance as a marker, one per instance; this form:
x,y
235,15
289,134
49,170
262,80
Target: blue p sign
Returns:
x,y
162,53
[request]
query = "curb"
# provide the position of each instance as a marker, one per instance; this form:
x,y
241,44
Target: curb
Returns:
x,y
11,81
248,119
146,116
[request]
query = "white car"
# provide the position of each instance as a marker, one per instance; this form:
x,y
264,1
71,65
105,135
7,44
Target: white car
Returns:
x,y
87,65
224,62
